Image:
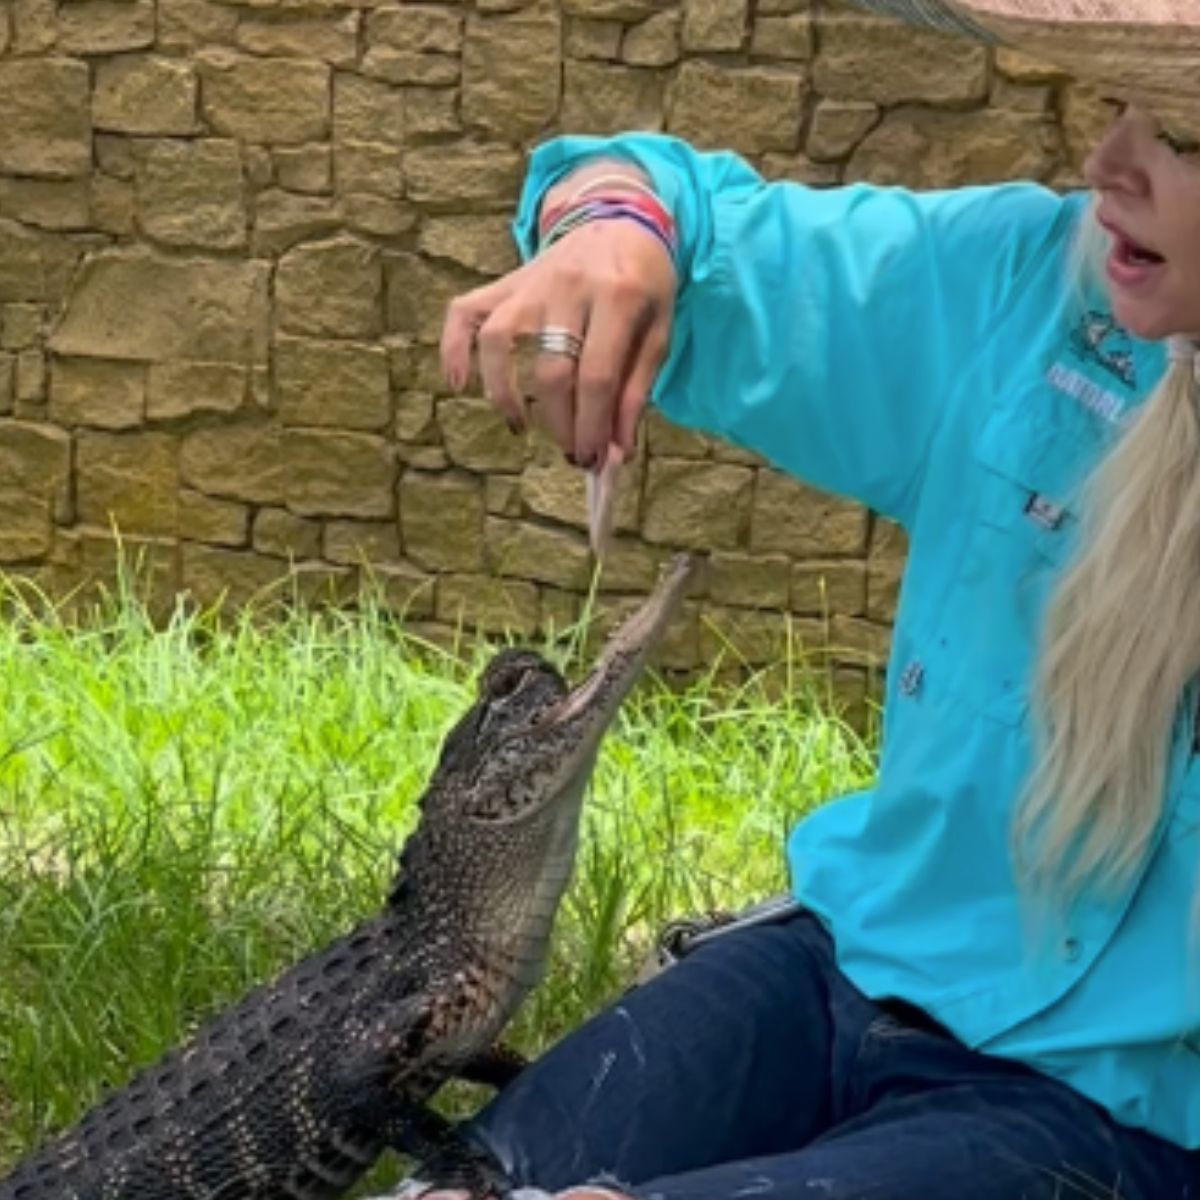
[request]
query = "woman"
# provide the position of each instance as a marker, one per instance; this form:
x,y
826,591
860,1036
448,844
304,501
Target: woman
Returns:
x,y
993,988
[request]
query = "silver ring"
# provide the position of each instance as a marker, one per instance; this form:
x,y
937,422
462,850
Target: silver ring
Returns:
x,y
554,339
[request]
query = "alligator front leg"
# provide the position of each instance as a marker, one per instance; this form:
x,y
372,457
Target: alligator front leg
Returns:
x,y
494,1067
447,1160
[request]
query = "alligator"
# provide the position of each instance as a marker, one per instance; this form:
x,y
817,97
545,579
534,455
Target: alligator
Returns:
x,y
293,1092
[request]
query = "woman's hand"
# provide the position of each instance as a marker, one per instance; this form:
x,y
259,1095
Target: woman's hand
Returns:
x,y
609,282
579,1192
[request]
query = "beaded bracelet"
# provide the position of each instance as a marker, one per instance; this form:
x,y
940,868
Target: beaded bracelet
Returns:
x,y
644,210
648,204
625,183
604,210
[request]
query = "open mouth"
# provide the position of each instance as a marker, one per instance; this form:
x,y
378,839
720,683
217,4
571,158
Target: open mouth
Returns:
x,y
1131,263
1129,253
627,650
1132,267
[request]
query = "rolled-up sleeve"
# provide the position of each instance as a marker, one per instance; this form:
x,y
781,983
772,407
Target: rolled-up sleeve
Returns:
x,y
825,329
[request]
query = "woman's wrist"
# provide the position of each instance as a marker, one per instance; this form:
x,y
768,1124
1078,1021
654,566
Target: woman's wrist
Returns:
x,y
613,170
604,190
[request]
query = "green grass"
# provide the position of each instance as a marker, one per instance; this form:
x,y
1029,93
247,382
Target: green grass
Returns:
x,y
184,810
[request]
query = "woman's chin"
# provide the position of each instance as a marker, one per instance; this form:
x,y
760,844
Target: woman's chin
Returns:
x,y
1142,316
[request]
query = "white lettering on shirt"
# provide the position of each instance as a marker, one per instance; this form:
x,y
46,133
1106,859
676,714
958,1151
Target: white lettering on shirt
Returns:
x,y
1091,395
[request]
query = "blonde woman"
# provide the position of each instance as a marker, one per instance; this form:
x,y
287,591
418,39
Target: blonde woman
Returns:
x,y
993,987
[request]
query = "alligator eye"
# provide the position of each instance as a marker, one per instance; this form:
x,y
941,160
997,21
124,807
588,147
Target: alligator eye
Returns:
x,y
508,683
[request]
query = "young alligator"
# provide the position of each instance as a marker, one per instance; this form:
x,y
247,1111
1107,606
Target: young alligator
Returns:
x,y
296,1090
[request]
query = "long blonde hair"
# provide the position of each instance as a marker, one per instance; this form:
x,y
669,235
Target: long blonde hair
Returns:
x,y
1120,643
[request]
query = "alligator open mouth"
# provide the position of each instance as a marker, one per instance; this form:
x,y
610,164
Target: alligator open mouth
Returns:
x,y
626,651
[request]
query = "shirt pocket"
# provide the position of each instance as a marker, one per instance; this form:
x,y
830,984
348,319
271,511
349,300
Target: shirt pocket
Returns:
x,y
1024,529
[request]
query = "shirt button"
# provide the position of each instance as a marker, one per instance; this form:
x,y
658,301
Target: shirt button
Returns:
x,y
1072,949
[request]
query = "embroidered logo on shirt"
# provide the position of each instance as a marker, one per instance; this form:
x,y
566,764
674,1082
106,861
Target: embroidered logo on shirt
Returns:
x,y
1098,338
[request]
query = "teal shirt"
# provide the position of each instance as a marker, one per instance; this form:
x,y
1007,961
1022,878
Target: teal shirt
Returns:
x,y
927,355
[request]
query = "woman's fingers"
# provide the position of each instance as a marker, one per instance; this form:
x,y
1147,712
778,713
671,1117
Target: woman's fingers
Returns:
x,y
497,343
464,315
615,323
648,357
607,286
554,370
592,1191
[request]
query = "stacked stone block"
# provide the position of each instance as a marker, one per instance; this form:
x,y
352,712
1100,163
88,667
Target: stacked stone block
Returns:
x,y
228,232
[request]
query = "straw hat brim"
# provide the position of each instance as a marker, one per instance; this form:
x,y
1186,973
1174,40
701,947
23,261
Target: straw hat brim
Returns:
x,y
1141,49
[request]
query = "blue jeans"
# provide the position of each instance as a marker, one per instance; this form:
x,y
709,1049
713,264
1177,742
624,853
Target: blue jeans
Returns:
x,y
754,1066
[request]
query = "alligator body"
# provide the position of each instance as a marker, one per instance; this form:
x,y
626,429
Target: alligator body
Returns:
x,y
293,1092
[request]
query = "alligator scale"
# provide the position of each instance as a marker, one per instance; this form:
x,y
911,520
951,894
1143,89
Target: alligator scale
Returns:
x,y
296,1090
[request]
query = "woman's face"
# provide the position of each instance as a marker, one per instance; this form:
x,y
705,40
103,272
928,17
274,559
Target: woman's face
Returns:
x,y
1146,174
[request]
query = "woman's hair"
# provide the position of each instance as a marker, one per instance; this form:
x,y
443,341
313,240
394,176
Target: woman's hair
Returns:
x,y
1120,642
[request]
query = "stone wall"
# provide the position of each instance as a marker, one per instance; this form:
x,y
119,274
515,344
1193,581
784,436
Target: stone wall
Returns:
x,y
227,232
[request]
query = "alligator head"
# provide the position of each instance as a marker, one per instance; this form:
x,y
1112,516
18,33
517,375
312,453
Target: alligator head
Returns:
x,y
495,844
